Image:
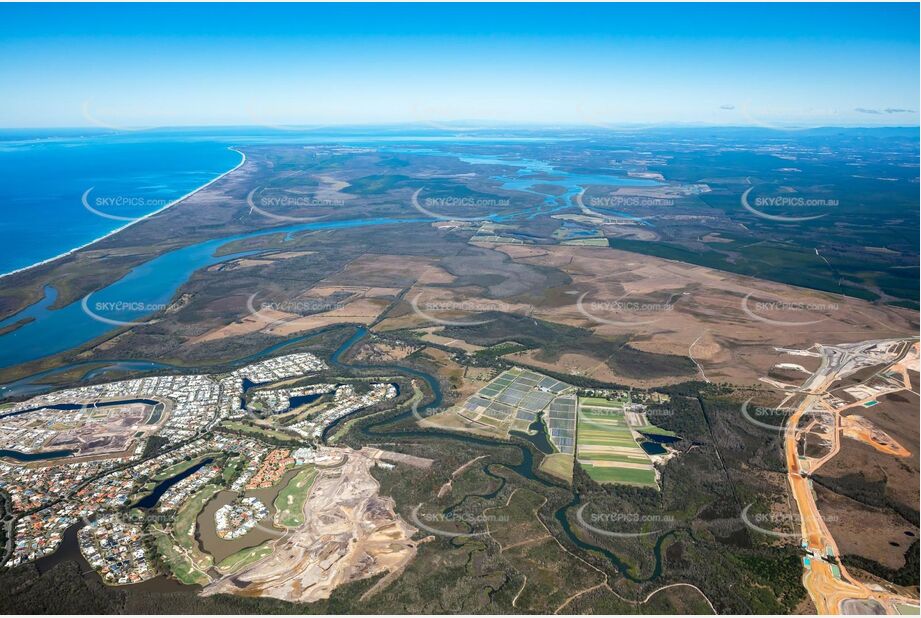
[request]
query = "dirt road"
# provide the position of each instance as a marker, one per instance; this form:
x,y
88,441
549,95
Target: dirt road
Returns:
x,y
825,578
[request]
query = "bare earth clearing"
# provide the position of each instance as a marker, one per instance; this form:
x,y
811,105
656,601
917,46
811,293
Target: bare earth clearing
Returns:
x,y
350,533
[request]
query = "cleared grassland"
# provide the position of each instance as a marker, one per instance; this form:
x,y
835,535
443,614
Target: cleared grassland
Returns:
x,y
606,448
244,557
290,501
601,402
633,459
656,431
625,476
559,465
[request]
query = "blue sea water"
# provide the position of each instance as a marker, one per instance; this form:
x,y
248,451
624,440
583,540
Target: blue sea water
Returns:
x,y
45,178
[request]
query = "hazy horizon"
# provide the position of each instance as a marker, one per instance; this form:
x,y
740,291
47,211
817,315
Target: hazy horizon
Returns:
x,y
455,125
774,66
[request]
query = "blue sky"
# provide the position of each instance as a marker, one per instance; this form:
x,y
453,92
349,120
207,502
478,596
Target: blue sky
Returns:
x,y
606,65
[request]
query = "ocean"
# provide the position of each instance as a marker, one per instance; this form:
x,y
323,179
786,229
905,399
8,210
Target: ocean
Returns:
x,y
61,192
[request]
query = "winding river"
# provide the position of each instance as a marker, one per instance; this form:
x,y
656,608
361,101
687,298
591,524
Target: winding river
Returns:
x,y
379,428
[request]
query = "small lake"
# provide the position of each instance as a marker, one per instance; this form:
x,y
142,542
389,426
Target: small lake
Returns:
x,y
150,500
26,457
537,435
205,529
79,406
652,443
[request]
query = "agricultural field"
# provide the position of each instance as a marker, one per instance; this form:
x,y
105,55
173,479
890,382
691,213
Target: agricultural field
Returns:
x,y
607,446
561,423
512,402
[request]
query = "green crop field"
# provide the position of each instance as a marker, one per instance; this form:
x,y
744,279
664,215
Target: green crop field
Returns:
x,y
604,436
600,402
625,476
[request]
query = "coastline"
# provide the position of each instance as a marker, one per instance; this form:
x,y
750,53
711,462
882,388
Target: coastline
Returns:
x,y
138,220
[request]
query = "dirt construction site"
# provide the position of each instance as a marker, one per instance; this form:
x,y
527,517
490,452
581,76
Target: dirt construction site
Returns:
x,y
350,532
